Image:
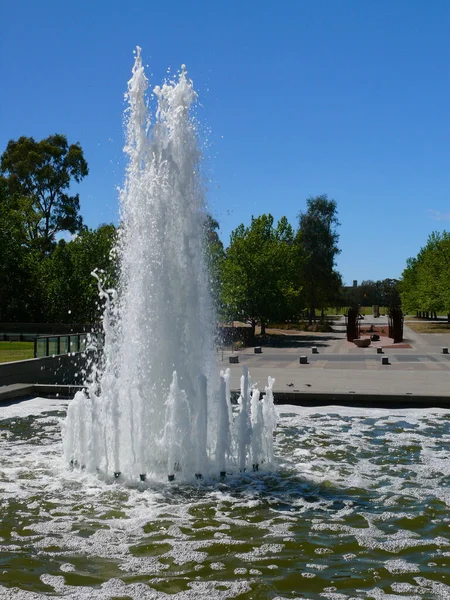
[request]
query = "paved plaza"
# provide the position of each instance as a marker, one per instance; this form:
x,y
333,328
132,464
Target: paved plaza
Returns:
x,y
339,373
342,368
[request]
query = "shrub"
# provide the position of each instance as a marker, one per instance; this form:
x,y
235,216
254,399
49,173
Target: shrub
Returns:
x,y
319,327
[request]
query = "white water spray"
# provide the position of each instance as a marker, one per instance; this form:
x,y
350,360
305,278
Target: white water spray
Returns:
x,y
156,409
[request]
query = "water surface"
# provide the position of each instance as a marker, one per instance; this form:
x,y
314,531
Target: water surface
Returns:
x,y
357,508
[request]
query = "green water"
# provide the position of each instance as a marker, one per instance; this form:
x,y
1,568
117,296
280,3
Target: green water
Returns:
x,y
356,508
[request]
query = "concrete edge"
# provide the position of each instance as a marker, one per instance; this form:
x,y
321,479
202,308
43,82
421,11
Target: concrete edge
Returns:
x,y
21,391
357,400
15,392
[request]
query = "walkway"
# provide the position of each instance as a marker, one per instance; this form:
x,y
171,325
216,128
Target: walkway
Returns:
x,y
342,368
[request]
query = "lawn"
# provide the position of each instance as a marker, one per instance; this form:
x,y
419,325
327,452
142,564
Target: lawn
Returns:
x,y
428,326
10,351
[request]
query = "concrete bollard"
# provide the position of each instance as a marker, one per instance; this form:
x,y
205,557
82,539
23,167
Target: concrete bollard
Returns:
x,y
257,350
444,350
303,360
385,360
379,350
315,350
234,359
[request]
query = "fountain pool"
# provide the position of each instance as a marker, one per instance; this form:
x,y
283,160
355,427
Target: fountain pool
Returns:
x,y
358,508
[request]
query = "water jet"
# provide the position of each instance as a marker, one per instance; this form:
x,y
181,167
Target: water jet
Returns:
x,y
155,404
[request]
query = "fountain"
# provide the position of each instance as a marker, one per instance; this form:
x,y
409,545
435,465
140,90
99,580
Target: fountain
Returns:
x,y
357,506
154,409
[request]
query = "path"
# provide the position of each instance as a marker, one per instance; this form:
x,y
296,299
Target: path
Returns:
x,y
341,368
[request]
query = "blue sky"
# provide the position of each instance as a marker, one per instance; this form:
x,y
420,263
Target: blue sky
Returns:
x,y
297,98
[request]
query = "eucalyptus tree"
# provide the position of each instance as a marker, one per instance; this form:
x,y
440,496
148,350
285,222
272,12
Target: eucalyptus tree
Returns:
x,y
319,239
214,254
38,176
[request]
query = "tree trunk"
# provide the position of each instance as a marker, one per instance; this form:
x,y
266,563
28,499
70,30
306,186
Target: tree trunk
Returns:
x,y
312,313
263,327
253,324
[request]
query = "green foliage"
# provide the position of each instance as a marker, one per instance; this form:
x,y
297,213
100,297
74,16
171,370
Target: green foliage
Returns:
x,y
260,272
45,281
369,293
215,253
425,284
68,289
259,278
38,176
16,264
317,228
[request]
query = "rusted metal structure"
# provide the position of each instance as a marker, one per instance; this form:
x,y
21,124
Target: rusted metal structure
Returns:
x,y
395,319
352,323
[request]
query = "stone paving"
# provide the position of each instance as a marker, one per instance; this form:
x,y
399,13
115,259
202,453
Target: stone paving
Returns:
x,y
342,368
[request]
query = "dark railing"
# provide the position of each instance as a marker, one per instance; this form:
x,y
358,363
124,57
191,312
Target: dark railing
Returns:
x,y
52,345
17,337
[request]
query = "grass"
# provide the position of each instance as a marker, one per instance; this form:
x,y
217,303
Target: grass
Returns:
x,y
11,351
429,326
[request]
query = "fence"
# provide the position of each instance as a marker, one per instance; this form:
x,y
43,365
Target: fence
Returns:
x,y
54,345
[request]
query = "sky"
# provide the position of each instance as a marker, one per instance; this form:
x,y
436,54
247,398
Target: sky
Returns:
x,y
297,98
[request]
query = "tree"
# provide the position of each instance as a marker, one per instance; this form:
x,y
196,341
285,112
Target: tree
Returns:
x,y
38,176
388,293
382,293
259,272
16,275
214,253
69,291
425,281
317,227
408,286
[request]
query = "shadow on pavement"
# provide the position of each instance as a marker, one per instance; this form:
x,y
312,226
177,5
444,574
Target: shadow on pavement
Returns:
x,y
275,340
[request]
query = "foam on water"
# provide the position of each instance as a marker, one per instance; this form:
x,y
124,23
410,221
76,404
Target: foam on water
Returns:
x,y
154,408
306,528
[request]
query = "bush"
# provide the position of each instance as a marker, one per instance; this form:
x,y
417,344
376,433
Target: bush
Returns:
x,y
319,327
239,345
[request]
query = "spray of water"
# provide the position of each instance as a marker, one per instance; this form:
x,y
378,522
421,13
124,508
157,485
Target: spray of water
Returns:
x,y
155,409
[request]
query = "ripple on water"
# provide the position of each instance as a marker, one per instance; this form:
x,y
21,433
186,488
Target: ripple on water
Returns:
x,y
357,508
